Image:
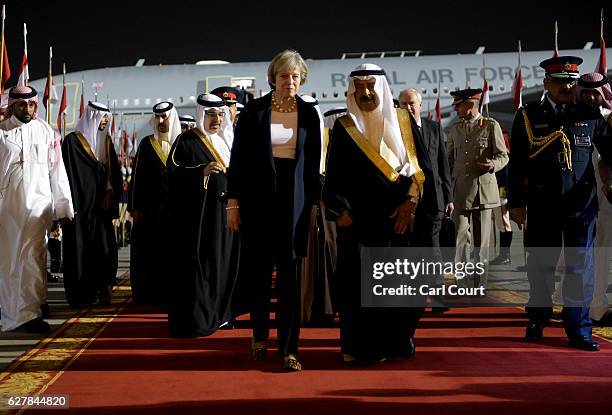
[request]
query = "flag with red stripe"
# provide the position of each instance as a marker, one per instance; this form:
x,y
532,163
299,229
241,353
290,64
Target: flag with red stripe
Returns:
x,y
23,71
6,69
517,89
484,98
62,109
82,106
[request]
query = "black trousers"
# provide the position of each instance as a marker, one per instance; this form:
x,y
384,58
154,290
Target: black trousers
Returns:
x,y
426,234
279,253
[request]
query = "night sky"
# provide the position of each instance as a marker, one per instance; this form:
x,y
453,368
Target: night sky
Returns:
x,y
89,35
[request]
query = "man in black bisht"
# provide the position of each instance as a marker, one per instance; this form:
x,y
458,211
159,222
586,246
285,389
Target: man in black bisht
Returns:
x,y
204,250
372,188
147,202
89,245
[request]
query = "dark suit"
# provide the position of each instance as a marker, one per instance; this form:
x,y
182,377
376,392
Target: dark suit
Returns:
x,y
437,188
275,198
561,202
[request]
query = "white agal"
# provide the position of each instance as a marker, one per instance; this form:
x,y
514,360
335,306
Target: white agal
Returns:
x,y
34,190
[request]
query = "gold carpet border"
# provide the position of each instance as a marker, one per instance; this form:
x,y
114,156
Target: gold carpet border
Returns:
x,y
35,371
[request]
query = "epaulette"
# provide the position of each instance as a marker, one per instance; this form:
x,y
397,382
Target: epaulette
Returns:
x,y
488,120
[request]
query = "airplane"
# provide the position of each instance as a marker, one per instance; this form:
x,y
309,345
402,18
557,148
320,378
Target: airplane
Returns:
x,y
131,91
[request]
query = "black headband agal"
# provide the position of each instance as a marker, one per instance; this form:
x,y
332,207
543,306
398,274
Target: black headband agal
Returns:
x,y
592,84
98,106
19,95
205,103
367,72
186,118
158,110
334,112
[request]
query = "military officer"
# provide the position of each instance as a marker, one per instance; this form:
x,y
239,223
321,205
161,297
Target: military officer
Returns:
x,y
231,96
552,189
476,150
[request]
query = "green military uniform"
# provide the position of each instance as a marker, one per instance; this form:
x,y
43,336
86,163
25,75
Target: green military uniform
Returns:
x,y
475,192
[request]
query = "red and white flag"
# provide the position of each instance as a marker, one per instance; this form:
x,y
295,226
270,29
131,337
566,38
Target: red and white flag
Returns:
x,y
602,66
484,98
62,108
6,69
82,106
24,74
517,87
556,51
438,112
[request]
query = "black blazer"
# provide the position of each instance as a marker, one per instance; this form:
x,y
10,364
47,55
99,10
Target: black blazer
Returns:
x,y
252,175
437,189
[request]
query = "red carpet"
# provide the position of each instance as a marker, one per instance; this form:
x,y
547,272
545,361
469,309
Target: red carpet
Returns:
x,y
469,361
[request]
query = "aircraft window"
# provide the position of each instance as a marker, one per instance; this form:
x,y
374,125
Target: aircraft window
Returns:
x,y
490,87
424,91
136,101
435,90
345,94
502,87
335,94
445,89
314,94
180,100
147,101
126,102
324,94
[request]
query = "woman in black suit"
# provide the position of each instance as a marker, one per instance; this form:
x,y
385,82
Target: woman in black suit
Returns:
x,y
273,182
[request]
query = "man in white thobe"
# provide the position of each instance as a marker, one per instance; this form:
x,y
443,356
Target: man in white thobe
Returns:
x,y
34,191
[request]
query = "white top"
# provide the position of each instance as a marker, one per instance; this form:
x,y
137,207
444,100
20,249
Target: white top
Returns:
x,y
283,132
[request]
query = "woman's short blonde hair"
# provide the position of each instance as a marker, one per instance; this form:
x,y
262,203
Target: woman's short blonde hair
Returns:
x,y
287,60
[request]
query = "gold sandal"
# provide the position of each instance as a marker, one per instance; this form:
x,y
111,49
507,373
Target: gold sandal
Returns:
x,y
292,364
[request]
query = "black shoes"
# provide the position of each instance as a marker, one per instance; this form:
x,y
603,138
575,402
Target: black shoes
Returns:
x,y
534,331
584,343
37,326
411,348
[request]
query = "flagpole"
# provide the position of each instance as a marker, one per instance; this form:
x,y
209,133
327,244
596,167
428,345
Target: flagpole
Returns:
x,y
601,29
64,111
484,76
50,82
2,47
26,74
440,115
556,38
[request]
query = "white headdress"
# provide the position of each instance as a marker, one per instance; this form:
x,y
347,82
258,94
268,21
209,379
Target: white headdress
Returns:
x,y
89,124
223,139
380,126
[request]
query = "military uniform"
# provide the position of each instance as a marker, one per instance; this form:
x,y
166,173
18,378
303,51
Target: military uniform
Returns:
x,y
475,192
552,175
